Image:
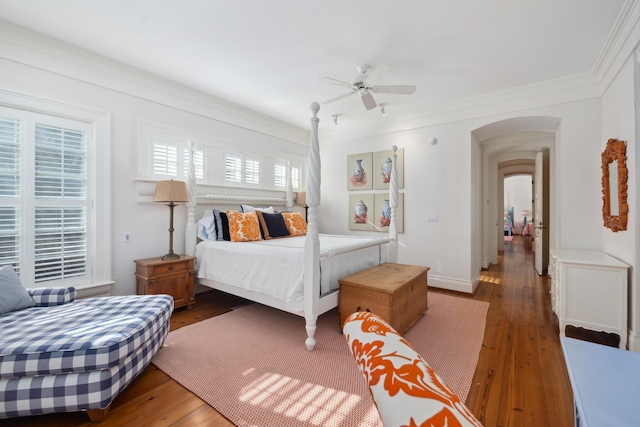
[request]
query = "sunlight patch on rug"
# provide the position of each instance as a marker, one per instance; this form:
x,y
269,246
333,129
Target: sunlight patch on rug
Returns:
x,y
306,402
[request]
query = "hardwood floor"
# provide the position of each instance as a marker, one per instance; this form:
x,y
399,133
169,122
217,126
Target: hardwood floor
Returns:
x,y
520,379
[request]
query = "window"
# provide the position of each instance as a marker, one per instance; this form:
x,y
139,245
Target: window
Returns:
x,y
295,177
166,163
241,169
45,198
252,170
280,175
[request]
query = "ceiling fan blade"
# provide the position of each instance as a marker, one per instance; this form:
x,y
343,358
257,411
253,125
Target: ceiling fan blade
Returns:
x,y
369,102
338,98
335,82
399,89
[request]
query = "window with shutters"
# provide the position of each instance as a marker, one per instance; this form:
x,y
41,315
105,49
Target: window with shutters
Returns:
x,y
280,175
240,168
295,177
45,201
170,158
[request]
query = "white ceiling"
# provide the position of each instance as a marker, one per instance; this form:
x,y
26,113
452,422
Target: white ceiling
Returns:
x,y
267,56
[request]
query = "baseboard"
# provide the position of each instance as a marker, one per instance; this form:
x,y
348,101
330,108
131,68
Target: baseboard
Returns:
x,y
634,342
466,286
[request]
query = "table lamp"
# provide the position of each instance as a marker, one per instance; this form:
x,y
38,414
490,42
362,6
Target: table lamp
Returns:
x,y
171,191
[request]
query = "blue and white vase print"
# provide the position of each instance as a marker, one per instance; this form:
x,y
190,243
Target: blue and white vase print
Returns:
x,y
358,172
385,219
360,213
386,170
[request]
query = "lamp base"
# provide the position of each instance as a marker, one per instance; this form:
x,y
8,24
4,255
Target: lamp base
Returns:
x,y
170,255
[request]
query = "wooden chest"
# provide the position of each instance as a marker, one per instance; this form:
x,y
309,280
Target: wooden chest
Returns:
x,y
395,292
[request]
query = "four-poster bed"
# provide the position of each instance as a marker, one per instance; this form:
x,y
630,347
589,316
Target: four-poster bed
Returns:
x,y
313,257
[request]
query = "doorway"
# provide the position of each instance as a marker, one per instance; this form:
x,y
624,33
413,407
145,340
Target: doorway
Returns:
x,y
507,149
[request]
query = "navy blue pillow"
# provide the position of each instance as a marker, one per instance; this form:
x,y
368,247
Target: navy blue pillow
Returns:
x,y
225,227
222,225
272,225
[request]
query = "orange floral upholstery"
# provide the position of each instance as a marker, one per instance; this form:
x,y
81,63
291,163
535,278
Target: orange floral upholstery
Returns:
x,y
406,390
243,227
296,224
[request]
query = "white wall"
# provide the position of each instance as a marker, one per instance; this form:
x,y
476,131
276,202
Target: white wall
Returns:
x,y
440,178
619,120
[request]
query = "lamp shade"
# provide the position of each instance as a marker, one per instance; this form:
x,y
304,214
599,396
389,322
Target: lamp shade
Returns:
x,y
171,191
301,198
525,212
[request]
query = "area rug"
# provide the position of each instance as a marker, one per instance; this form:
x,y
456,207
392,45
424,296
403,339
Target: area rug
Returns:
x,y
252,366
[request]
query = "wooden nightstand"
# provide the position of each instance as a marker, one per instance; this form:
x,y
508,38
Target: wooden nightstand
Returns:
x,y
171,277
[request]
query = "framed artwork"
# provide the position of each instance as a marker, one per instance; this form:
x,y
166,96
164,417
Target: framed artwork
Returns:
x,y
361,212
382,168
382,212
359,172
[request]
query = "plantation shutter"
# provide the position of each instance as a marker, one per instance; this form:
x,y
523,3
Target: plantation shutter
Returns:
x,y
10,192
233,167
252,170
60,220
280,175
164,157
295,177
198,157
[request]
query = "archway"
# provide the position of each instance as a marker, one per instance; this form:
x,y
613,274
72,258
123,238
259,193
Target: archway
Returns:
x,y
509,146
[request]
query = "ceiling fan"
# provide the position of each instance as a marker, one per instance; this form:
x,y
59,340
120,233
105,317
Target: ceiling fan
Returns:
x,y
364,85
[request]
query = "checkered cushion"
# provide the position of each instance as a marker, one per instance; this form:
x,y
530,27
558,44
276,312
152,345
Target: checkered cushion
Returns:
x,y
141,320
79,390
46,297
85,335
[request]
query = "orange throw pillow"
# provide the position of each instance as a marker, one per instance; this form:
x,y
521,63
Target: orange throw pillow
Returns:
x,y
295,222
243,227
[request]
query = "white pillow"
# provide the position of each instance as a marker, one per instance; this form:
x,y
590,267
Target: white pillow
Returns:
x,y
207,228
247,208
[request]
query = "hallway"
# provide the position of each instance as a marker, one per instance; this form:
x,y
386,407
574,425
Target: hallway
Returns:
x,y
521,379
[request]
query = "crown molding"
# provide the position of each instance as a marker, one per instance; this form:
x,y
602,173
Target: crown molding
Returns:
x,y
620,45
23,46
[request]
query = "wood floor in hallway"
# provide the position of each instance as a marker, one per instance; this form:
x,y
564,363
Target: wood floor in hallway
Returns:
x,y
520,380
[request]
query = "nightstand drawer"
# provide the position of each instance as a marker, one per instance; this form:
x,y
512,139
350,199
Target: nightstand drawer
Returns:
x,y
169,268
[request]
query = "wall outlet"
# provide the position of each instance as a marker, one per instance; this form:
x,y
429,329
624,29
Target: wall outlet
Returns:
x,y
127,237
432,217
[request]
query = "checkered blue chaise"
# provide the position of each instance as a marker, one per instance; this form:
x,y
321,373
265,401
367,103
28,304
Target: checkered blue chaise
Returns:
x,y
62,356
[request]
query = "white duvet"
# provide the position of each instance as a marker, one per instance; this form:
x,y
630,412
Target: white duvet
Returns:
x,y
276,267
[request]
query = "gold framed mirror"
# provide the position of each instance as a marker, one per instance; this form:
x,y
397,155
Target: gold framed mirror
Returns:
x,y
615,209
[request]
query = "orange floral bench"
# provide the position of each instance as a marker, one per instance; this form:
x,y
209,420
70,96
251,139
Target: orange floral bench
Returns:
x,y
405,389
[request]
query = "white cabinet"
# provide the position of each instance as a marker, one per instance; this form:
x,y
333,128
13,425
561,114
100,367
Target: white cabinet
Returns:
x,y
589,290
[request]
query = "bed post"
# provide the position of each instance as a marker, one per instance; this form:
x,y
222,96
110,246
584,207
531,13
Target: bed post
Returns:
x,y
393,204
312,242
289,187
190,231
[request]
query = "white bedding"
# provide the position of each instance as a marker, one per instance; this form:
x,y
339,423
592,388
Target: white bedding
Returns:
x,y
276,267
